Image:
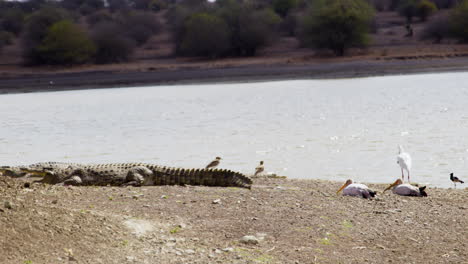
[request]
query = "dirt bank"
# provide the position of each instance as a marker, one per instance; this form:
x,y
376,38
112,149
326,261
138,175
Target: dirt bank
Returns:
x,y
53,81
294,221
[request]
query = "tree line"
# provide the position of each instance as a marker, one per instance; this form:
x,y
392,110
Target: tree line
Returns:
x,y
71,32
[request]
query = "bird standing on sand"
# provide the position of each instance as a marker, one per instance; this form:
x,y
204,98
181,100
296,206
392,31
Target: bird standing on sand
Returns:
x,y
356,189
455,179
406,189
259,168
214,163
404,160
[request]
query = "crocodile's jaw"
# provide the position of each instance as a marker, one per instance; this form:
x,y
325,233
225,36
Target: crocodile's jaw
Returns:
x,y
39,173
12,172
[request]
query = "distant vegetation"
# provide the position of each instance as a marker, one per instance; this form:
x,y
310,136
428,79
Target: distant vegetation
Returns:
x,y
70,32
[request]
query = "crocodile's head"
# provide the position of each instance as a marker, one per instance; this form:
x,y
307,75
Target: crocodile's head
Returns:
x,y
12,171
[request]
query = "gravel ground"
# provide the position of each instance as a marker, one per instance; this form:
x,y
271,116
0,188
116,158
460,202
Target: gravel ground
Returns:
x,y
278,221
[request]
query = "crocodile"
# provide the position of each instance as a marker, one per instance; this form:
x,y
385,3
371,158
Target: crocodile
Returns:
x,y
136,174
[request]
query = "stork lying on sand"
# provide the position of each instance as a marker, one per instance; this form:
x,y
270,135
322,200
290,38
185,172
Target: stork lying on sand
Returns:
x,y
356,189
405,189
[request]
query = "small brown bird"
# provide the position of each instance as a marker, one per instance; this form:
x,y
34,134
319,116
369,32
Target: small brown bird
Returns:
x,y
214,163
455,179
259,168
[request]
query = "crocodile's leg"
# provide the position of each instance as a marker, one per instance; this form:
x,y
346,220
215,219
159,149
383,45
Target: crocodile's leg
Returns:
x,y
77,176
138,176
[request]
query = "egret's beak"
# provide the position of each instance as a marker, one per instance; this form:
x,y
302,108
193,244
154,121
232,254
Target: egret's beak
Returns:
x,y
392,185
342,187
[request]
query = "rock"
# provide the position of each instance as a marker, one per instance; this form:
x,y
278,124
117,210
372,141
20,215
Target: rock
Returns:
x,y
217,251
217,201
229,249
130,258
8,205
252,240
170,244
190,251
260,236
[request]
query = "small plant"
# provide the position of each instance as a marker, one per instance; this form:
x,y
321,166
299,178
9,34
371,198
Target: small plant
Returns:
x,y
325,241
28,262
124,243
347,224
175,230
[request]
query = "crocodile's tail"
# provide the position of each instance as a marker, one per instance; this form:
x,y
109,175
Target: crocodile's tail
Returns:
x,y
207,177
225,178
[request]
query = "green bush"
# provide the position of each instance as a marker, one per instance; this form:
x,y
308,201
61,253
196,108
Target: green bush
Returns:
x,y
111,44
408,9
256,29
37,25
139,25
6,38
337,25
282,7
99,17
459,21
250,28
66,44
436,30
157,5
12,21
205,35
425,9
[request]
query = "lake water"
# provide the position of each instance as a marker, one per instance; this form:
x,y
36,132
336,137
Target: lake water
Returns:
x,y
326,129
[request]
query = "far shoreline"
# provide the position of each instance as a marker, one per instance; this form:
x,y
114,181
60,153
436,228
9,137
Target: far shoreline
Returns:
x,y
84,79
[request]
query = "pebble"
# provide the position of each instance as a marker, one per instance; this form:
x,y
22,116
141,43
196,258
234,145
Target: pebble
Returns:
x,y
249,240
190,251
130,258
217,201
229,249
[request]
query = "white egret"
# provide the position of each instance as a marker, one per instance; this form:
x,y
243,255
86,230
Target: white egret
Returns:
x,y
356,189
405,189
404,160
214,163
455,179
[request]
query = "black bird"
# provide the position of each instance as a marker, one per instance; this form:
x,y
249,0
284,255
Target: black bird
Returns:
x,y
455,179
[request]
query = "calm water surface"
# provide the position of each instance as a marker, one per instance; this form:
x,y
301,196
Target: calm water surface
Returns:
x,y
327,129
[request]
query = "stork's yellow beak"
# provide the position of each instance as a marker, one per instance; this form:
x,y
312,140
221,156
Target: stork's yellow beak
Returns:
x,y
342,187
397,182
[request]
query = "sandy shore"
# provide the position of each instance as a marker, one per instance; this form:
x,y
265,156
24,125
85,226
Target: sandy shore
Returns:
x,y
293,221
85,79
